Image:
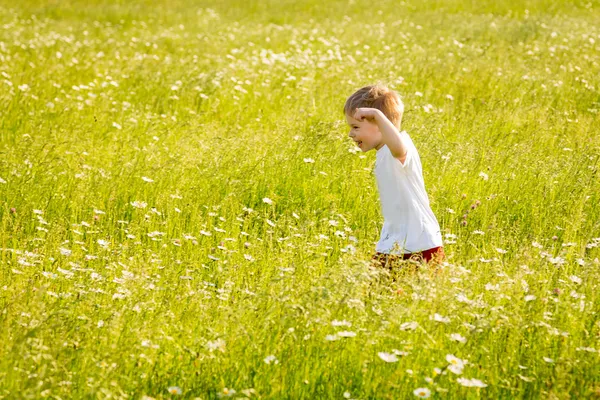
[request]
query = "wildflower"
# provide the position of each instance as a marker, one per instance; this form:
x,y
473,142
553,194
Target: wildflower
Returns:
x,y
409,326
146,179
346,334
218,344
116,125
489,286
65,252
530,297
226,392
457,337
575,279
348,249
388,357
484,176
588,349
138,204
456,364
335,322
331,338
501,251
267,200
174,390
155,234
309,160
548,360
449,97
96,276
455,369
558,260
471,382
575,295
525,378
439,318
422,393
271,359
49,275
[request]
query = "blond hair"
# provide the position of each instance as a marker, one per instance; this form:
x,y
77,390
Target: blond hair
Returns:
x,y
377,96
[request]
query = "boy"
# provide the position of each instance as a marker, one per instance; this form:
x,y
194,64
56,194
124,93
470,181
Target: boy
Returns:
x,y
410,229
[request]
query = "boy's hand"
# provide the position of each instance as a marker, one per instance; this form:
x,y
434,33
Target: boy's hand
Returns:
x,y
370,114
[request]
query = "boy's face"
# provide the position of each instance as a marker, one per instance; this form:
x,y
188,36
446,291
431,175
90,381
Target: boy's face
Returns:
x,y
365,134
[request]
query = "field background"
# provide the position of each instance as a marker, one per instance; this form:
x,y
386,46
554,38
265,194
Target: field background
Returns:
x,y
182,214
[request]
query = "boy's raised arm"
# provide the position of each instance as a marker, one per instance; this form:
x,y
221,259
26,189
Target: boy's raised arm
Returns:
x,y
391,137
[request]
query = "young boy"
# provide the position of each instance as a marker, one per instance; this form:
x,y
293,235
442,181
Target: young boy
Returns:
x,y
410,229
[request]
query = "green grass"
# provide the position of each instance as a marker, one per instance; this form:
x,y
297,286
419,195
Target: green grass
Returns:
x,y
115,286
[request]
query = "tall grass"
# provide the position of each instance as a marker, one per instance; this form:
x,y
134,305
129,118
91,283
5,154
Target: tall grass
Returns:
x,y
183,216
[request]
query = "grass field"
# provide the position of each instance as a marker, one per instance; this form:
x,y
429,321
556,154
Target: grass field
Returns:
x,y
182,214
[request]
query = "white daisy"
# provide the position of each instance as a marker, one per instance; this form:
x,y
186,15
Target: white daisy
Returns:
x,y
388,357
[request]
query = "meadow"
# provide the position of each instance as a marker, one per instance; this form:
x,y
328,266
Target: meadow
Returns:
x,y
183,215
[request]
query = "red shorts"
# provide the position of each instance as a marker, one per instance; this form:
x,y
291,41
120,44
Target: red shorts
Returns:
x,y
434,255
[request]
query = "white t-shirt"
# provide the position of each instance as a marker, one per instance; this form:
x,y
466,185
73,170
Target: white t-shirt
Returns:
x,y
408,218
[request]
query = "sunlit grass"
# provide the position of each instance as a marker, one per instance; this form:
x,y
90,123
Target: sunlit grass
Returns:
x,y
183,215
